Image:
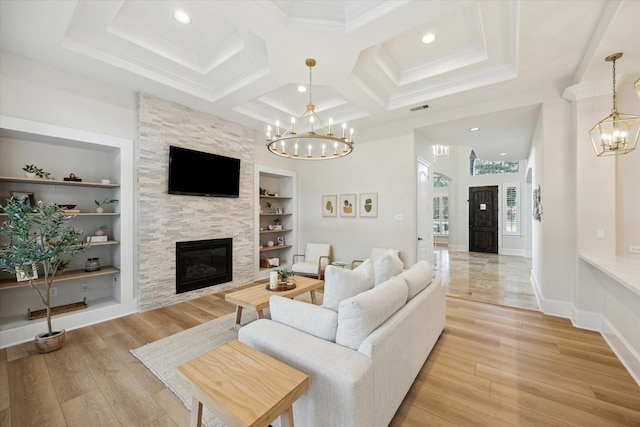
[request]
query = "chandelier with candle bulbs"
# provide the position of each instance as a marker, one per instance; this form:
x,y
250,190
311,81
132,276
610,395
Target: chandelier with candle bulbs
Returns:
x,y
313,140
617,133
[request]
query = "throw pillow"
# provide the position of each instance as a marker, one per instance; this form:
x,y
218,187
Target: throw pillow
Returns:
x,y
360,315
340,283
418,277
306,317
387,266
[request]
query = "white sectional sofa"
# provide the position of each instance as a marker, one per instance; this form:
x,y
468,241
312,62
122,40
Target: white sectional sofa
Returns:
x,y
363,357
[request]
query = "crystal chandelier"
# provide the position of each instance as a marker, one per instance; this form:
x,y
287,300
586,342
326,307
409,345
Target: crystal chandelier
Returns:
x,y
318,143
615,134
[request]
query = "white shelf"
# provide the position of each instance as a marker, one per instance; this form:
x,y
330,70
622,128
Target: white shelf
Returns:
x,y
111,289
67,276
15,322
41,181
284,183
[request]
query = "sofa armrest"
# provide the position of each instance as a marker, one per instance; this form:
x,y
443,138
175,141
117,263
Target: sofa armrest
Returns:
x,y
340,379
293,260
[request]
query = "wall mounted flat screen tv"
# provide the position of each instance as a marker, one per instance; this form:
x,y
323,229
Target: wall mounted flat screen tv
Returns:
x,y
196,173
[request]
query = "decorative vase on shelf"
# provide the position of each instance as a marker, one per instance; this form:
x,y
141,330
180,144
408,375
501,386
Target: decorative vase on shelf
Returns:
x,y
29,174
99,209
98,233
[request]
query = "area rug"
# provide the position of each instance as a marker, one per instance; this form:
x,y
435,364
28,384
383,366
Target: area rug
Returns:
x,y
162,357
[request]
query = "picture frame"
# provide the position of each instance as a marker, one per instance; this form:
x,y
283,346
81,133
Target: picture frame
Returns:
x,y
25,195
348,205
21,275
280,240
368,205
330,205
537,204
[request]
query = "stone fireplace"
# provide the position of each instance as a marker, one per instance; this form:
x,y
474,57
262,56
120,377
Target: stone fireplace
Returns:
x,y
165,219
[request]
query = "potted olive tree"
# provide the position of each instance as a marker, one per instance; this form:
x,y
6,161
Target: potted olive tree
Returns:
x,y
41,237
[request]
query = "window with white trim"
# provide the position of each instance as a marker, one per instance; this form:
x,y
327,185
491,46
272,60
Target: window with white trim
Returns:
x,y
511,210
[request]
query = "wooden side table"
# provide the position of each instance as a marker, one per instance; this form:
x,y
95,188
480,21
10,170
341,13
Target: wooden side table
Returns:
x,y
257,297
242,386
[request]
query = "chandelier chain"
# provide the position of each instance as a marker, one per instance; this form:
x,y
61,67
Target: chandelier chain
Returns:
x,y
613,109
311,86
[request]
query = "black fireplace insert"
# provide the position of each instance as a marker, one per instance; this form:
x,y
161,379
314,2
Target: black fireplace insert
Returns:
x,y
203,263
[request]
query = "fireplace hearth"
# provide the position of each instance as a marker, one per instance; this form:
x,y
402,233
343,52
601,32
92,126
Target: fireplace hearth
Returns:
x,y
203,263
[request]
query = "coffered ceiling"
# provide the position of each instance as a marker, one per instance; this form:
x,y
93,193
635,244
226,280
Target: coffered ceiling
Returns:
x,y
244,60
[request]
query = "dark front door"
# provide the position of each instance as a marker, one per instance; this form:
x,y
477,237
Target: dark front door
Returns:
x,y
483,219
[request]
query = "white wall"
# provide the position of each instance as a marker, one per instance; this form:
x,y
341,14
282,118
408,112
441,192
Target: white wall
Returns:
x,y
35,91
557,230
385,166
607,292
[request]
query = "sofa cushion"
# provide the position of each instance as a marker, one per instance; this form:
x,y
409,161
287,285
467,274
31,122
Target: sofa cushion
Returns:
x,y
418,277
340,283
387,266
312,319
360,315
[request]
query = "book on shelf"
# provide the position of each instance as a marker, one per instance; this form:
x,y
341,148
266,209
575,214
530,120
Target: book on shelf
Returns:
x,y
96,239
71,211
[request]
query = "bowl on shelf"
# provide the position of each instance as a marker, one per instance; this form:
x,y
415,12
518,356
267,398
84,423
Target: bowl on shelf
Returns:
x,y
65,206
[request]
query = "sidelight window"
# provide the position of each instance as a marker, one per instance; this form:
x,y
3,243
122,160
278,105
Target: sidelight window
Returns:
x,y
512,208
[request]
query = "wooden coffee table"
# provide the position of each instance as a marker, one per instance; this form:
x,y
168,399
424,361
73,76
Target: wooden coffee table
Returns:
x,y
242,386
257,297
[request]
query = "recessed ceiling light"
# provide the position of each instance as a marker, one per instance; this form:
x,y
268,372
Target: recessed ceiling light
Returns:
x,y
503,154
474,129
302,89
182,17
428,38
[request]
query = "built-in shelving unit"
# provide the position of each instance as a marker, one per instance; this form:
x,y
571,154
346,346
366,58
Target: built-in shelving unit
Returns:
x,y
102,294
277,204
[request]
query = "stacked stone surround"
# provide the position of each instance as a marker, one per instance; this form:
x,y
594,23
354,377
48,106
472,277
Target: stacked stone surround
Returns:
x,y
164,219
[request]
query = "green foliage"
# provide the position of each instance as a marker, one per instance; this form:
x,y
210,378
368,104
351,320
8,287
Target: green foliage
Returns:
x,y
40,173
440,181
283,274
493,167
106,201
42,237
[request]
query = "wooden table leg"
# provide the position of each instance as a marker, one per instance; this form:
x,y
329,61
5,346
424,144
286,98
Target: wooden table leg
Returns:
x,y
313,297
260,314
196,413
238,314
286,419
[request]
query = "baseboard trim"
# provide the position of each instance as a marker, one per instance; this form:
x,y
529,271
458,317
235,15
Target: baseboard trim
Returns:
x,y
621,347
512,252
593,322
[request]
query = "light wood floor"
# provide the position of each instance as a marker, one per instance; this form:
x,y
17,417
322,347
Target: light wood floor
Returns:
x,y
492,366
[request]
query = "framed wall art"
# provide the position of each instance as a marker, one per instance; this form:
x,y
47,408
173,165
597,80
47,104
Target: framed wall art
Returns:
x,y
368,205
25,195
537,204
329,205
348,206
22,276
